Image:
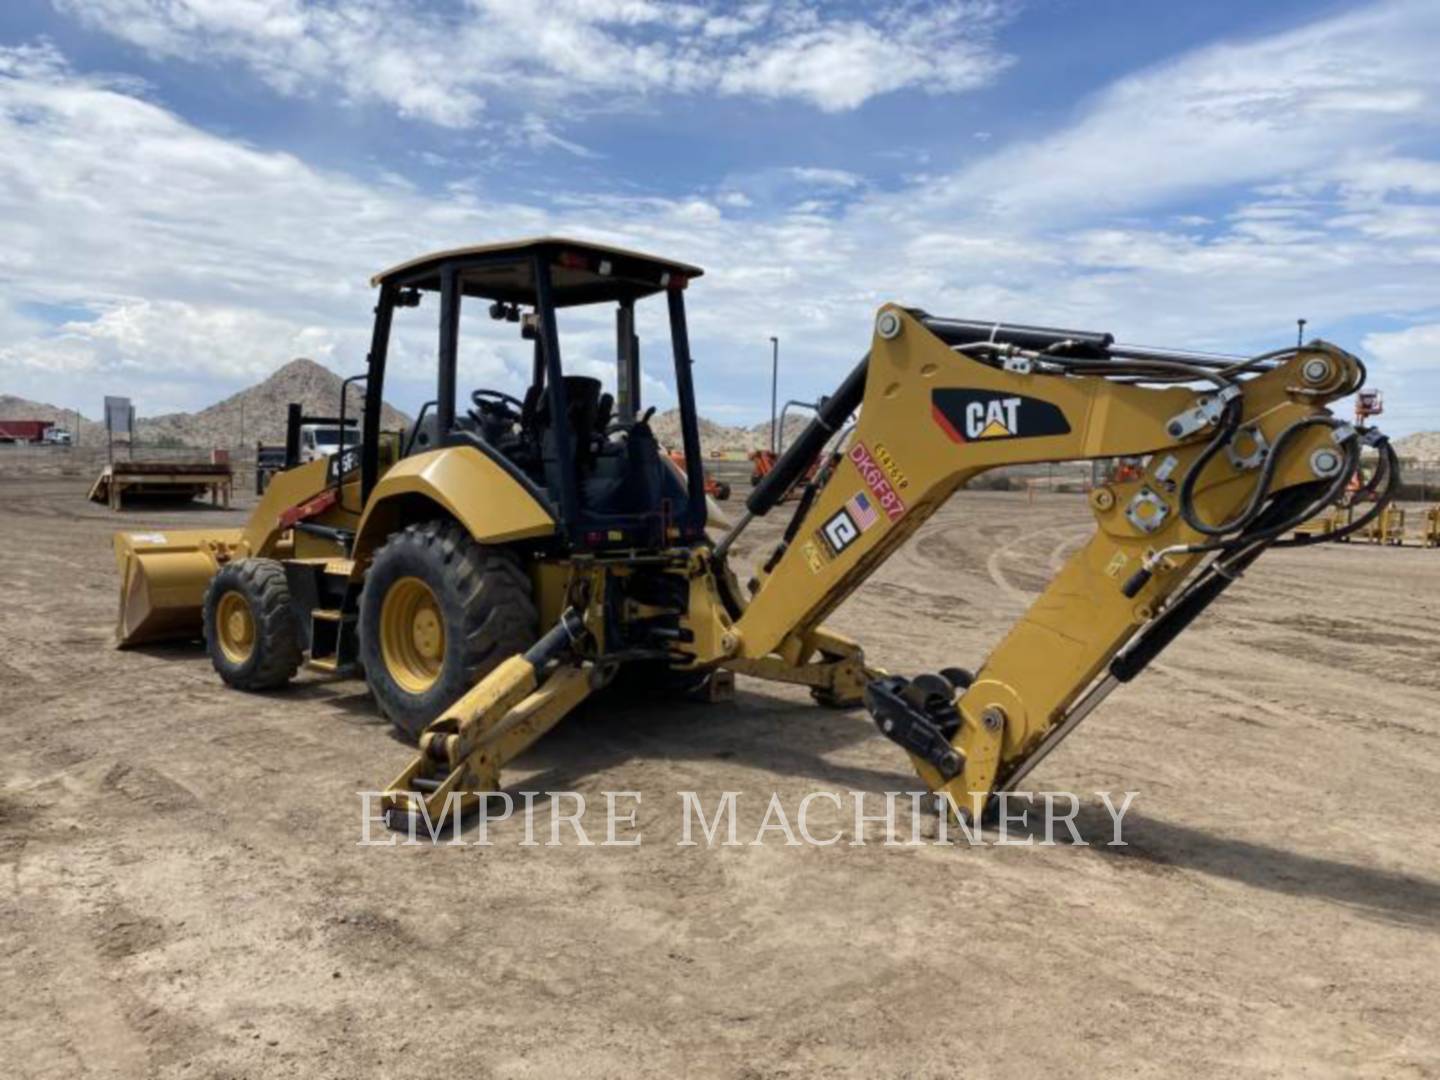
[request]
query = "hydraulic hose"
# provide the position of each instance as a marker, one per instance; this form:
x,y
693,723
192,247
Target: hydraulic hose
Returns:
x,y
1262,486
1247,539
1391,464
828,419
966,332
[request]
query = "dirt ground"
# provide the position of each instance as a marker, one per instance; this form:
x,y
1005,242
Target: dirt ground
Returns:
x,y
183,892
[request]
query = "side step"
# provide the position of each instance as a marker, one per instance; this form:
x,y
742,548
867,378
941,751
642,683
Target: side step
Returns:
x,y
334,647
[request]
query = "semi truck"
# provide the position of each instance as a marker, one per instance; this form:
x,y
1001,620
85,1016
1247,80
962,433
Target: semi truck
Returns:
x,y
25,431
43,432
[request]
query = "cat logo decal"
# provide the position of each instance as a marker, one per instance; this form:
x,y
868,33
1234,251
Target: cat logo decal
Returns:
x,y
972,415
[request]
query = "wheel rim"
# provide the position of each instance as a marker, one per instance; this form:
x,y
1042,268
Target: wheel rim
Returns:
x,y
235,626
412,635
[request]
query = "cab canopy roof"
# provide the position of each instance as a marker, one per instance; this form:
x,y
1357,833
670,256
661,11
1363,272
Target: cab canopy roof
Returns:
x,y
580,272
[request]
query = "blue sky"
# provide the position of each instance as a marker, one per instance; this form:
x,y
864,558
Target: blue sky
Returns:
x,y
195,191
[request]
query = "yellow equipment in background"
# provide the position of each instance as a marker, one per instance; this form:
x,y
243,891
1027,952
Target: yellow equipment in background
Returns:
x,y
1388,527
505,562
1323,525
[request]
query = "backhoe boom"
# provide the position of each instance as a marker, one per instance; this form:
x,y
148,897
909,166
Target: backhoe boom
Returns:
x,y
1232,465
933,417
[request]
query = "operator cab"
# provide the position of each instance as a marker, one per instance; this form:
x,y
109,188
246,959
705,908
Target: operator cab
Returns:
x,y
587,455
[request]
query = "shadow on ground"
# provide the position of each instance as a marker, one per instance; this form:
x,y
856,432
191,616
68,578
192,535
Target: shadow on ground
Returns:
x,y
1387,895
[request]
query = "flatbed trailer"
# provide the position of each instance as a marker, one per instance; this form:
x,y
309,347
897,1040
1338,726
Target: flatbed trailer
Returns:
x,y
162,480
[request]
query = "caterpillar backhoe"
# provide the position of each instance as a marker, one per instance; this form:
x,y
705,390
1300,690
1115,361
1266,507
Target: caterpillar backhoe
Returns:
x,y
494,565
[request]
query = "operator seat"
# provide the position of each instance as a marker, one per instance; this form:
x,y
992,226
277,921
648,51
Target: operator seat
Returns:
x,y
582,397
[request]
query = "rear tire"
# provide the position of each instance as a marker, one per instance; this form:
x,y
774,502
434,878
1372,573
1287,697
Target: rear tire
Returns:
x,y
250,629
438,612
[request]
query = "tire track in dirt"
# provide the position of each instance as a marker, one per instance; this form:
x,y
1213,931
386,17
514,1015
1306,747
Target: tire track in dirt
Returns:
x,y
191,854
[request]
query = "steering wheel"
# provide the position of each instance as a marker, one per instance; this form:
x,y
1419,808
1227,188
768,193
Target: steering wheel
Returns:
x,y
497,404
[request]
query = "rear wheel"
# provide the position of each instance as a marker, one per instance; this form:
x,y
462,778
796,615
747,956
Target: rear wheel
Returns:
x,y
250,628
438,612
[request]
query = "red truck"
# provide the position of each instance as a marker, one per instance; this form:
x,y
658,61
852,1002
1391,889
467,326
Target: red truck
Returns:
x,y
28,431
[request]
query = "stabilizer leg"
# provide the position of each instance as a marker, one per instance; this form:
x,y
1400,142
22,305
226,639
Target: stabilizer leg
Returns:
x,y
462,752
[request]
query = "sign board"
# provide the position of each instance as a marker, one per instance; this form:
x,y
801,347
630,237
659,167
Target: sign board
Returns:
x,y
119,415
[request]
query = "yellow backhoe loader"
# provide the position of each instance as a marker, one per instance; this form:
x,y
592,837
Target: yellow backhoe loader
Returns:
x,y
497,563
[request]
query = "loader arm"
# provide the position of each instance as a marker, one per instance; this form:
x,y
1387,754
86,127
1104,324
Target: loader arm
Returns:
x,y
933,416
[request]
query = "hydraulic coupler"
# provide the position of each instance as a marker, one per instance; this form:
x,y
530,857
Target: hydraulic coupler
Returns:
x,y
920,715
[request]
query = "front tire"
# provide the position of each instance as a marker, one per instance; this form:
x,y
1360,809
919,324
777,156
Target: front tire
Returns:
x,y
438,612
250,629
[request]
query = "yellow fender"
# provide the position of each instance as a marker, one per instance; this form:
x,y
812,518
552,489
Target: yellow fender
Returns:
x,y
460,481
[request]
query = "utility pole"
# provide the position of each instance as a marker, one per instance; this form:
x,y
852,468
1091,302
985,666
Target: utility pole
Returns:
x,y
774,385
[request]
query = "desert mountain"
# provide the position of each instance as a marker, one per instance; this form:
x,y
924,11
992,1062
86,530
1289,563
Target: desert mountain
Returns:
x,y
239,420
715,436
261,410
1422,446
18,408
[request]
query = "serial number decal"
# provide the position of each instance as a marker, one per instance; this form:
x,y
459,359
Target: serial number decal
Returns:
x,y
877,480
892,469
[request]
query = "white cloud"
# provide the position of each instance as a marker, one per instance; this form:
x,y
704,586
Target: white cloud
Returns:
x,y
539,135
832,178
1317,101
442,65
1380,176
841,64
1406,364
1414,349
139,337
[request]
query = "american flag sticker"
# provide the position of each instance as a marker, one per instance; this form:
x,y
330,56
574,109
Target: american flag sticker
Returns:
x,y
862,510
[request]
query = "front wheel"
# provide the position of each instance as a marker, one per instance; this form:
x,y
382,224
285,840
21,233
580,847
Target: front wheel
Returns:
x,y
250,628
438,612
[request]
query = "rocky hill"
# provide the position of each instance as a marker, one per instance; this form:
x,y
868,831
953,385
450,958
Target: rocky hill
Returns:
x,y
254,414
715,436
259,412
18,408
1422,446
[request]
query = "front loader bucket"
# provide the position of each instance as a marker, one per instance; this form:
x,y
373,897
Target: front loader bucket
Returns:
x,y
163,577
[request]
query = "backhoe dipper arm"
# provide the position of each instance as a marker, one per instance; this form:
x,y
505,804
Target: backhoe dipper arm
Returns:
x,y
1231,466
